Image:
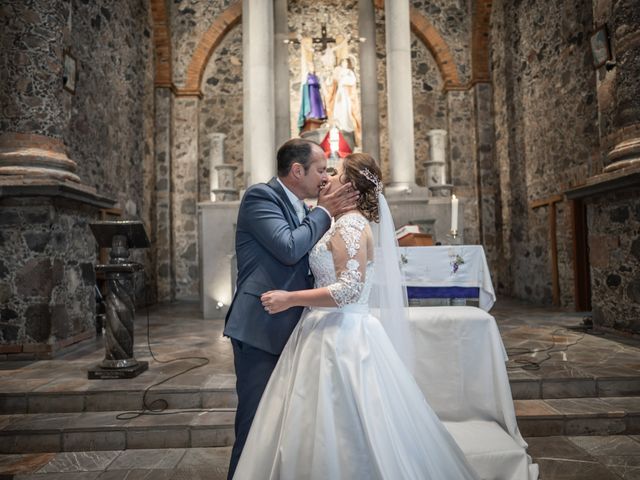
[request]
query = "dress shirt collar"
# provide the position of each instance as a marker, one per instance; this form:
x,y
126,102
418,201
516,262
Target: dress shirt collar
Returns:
x,y
295,201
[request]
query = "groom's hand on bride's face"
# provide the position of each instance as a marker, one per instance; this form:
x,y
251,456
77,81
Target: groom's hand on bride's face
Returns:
x,y
338,200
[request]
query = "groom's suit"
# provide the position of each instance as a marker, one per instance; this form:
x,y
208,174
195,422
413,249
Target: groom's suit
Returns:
x,y
272,248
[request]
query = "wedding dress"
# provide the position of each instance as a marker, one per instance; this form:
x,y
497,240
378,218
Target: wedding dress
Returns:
x,y
341,404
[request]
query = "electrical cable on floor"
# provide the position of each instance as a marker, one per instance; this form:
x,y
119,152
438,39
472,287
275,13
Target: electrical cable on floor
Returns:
x,y
159,405
526,364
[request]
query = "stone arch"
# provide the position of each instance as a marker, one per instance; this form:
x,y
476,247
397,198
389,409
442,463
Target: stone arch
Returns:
x,y
223,23
430,36
480,41
162,43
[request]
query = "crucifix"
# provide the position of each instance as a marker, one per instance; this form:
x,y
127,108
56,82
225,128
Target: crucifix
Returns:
x,y
323,40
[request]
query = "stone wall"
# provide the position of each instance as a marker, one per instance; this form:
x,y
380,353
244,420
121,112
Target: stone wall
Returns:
x,y
47,250
546,134
614,223
221,109
106,115
189,19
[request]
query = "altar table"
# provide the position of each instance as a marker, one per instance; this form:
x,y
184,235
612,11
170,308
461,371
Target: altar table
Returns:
x,y
460,367
450,271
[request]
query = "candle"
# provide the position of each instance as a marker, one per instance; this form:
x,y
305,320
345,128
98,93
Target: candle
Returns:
x,y
454,214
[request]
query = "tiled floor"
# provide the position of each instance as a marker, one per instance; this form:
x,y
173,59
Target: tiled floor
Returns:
x,y
566,361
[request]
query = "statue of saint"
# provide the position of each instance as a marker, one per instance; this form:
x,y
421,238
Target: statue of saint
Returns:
x,y
312,108
343,106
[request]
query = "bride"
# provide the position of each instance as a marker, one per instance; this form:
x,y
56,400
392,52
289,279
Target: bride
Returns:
x,y
341,402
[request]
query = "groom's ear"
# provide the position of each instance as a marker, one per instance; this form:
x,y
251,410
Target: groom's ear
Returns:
x,y
296,168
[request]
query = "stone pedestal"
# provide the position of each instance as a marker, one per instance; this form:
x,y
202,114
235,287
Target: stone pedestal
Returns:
x,y
216,221
47,277
435,168
216,158
226,189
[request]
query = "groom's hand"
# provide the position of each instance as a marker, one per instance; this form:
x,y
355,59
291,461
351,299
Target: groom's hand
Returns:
x,y
338,200
276,301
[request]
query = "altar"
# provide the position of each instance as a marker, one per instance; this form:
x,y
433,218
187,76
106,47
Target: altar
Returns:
x,y
447,272
460,358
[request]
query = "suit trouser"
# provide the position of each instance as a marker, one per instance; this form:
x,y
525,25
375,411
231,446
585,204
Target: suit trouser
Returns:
x,y
253,370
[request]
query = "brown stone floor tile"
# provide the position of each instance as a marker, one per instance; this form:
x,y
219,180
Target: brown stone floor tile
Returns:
x,y
580,407
534,408
25,463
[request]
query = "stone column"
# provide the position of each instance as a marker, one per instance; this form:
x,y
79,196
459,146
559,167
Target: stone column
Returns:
x,y
162,144
400,98
369,79
184,197
32,113
625,19
281,72
259,112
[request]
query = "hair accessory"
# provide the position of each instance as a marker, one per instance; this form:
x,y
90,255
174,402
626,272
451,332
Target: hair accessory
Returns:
x,y
373,179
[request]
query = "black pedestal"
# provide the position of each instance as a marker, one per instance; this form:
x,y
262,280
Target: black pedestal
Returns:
x,y
99,373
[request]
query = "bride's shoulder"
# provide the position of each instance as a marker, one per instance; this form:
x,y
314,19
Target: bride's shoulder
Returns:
x,y
352,219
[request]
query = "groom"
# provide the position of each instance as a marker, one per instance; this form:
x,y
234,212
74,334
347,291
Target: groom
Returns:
x,y
275,232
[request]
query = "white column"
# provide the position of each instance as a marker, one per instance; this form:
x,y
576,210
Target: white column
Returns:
x,y
369,79
281,72
259,108
399,94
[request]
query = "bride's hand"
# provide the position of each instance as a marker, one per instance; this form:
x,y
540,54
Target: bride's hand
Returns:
x,y
276,301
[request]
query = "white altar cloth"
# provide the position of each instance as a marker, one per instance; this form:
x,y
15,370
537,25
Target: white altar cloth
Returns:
x,y
449,266
460,367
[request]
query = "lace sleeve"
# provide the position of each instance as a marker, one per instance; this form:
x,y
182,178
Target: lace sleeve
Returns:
x,y
348,246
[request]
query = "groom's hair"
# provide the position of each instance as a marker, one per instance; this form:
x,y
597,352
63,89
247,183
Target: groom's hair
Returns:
x,y
296,150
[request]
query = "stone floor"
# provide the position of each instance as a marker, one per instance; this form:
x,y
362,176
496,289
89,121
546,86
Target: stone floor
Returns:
x,y
548,360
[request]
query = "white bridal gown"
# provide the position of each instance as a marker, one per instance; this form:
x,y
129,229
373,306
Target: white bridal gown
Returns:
x,y
341,404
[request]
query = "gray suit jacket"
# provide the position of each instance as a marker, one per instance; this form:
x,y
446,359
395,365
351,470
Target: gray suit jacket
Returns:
x,y
272,253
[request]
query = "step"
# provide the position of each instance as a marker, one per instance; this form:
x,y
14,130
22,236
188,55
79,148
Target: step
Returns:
x,y
578,416
528,387
90,431
69,395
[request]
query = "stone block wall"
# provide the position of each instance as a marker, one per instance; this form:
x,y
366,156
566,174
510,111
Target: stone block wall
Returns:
x,y
613,223
47,277
542,77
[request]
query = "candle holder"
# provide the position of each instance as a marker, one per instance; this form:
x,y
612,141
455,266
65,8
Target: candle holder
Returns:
x,y
454,238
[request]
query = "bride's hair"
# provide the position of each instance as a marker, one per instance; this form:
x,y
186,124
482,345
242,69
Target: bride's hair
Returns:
x,y
364,173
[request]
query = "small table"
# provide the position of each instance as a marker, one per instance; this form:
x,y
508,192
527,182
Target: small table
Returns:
x,y
450,271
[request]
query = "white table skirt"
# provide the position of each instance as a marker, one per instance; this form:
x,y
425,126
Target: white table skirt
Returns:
x,y
460,367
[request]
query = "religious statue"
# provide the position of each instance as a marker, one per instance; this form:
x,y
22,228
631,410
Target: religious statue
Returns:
x,y
312,109
343,106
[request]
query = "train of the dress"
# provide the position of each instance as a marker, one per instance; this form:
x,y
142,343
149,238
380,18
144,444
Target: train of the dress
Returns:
x,y
341,404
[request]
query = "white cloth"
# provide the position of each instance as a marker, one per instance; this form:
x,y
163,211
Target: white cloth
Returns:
x,y
435,267
340,403
460,367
